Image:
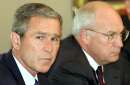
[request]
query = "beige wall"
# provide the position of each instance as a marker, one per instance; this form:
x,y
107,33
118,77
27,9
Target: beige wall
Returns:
x,y
8,7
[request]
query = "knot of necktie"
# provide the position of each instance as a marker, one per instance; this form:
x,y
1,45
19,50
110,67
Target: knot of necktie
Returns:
x,y
36,82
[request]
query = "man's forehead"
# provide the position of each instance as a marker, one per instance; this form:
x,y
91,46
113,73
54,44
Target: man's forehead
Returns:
x,y
109,28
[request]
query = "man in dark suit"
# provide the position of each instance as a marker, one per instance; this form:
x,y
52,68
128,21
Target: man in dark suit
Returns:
x,y
96,41
35,40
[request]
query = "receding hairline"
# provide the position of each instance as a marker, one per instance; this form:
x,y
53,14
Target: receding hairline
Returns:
x,y
94,5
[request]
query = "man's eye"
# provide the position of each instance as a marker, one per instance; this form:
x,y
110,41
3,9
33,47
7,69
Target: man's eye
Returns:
x,y
40,37
55,39
112,34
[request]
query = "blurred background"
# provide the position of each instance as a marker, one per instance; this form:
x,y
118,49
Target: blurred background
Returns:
x,y
66,8
119,5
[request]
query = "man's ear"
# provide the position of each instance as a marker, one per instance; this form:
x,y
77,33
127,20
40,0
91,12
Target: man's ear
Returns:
x,y
84,36
15,40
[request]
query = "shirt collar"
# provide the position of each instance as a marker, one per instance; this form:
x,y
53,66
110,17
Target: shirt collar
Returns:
x,y
27,77
91,61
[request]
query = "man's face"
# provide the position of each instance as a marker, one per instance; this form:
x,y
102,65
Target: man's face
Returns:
x,y
39,46
101,48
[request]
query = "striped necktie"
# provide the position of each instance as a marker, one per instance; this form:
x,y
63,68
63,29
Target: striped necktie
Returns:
x,y
100,76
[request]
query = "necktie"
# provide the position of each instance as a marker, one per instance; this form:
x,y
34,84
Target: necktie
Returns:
x,y
36,82
99,72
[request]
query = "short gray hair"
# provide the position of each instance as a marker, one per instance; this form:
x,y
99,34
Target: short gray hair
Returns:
x,y
86,16
25,12
82,19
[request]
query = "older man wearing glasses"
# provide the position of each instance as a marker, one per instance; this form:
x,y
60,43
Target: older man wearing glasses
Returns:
x,y
97,38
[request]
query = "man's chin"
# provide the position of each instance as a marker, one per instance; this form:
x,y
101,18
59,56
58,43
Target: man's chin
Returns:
x,y
115,58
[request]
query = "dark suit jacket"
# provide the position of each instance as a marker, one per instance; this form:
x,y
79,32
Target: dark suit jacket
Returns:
x,y
72,68
126,48
118,73
9,72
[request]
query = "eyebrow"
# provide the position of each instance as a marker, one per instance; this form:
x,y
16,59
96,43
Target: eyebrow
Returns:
x,y
49,34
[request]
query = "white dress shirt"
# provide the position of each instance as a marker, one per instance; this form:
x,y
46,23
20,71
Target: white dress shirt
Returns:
x,y
91,61
27,77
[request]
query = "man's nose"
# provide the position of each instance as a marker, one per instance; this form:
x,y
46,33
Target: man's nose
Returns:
x,y
48,46
118,42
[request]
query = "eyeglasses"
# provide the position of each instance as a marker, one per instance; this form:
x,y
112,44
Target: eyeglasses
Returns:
x,y
113,35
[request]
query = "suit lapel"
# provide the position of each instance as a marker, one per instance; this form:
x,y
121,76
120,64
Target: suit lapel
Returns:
x,y
85,72
112,74
43,80
11,64
78,63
